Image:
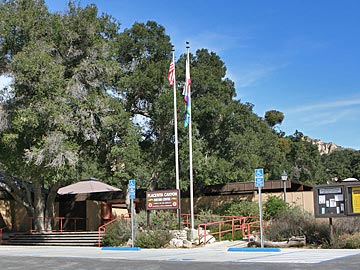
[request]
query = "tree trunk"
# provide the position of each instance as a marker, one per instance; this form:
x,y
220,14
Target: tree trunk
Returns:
x,y
299,241
39,207
50,207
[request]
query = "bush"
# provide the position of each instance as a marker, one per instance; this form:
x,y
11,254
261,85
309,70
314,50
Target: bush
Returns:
x,y
273,207
238,208
117,233
346,225
206,216
351,241
292,222
153,239
159,220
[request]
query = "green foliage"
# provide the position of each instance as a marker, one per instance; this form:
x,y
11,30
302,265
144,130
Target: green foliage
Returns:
x,y
274,117
153,239
163,220
206,216
227,235
273,207
117,233
342,164
238,208
60,121
77,84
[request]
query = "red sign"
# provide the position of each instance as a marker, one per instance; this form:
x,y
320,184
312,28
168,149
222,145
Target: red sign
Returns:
x,y
162,199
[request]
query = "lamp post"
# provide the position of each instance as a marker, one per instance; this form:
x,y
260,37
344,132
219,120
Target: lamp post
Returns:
x,y
284,178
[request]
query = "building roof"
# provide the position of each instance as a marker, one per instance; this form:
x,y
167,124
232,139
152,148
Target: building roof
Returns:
x,y
91,185
249,187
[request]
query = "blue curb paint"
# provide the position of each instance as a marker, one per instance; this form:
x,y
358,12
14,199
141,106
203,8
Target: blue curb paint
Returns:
x,y
121,248
253,250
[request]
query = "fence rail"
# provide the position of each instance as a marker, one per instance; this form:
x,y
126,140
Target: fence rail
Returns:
x,y
230,224
102,228
58,224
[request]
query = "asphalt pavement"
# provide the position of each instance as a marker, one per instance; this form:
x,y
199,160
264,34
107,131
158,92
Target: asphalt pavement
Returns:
x,y
214,256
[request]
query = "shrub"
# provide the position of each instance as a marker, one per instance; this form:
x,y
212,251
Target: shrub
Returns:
x,y
293,222
159,220
351,241
238,208
206,216
346,225
117,233
153,239
273,207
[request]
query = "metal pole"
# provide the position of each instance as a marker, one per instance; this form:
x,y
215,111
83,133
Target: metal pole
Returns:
x,y
261,219
132,223
190,153
284,190
178,211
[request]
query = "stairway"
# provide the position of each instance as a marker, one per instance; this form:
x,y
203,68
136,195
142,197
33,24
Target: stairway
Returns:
x,y
55,239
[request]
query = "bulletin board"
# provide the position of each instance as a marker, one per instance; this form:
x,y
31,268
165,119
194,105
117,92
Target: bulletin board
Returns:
x,y
354,200
330,201
337,200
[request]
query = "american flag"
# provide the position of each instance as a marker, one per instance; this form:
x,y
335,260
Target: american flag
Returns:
x,y
171,74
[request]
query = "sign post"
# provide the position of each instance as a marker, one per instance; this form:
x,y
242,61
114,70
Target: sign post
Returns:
x,y
259,182
132,191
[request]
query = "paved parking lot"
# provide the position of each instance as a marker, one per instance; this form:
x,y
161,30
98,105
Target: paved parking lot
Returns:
x,y
207,254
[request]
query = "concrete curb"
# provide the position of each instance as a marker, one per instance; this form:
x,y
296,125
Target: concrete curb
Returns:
x,y
254,250
121,248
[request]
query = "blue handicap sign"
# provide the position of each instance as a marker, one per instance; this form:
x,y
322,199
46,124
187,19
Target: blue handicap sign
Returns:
x,y
259,177
259,173
132,189
132,183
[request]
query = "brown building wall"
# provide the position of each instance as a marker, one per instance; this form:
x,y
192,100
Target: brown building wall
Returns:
x,y
93,215
303,199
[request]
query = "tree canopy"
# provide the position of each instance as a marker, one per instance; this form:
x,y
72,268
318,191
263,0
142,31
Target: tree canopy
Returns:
x,y
90,100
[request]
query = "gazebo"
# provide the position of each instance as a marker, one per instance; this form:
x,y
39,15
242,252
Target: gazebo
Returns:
x,y
91,203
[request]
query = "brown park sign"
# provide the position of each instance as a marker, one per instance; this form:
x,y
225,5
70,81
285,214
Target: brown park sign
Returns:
x,y
162,199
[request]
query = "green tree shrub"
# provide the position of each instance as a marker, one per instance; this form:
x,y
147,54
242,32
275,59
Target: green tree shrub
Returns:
x,y
159,220
153,239
238,208
273,207
117,233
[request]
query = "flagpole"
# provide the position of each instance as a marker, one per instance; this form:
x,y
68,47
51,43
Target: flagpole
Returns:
x,y
190,148
178,211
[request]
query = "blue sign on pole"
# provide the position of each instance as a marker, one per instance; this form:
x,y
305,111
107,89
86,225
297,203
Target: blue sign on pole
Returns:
x,y
259,177
132,189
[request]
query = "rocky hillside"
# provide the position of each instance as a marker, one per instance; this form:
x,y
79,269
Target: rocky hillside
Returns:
x,y
324,148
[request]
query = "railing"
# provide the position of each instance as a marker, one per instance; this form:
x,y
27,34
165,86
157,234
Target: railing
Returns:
x,y
59,222
236,224
1,234
102,228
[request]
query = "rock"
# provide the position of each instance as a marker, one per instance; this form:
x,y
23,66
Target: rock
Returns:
x,y
209,239
187,244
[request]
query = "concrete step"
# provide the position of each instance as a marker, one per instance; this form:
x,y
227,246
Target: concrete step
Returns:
x,y
56,239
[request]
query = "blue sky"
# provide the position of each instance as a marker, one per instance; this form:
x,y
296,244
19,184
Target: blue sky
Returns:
x,y
301,57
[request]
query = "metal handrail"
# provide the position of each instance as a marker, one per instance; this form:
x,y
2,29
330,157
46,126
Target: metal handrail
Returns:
x,y
102,228
237,223
61,221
